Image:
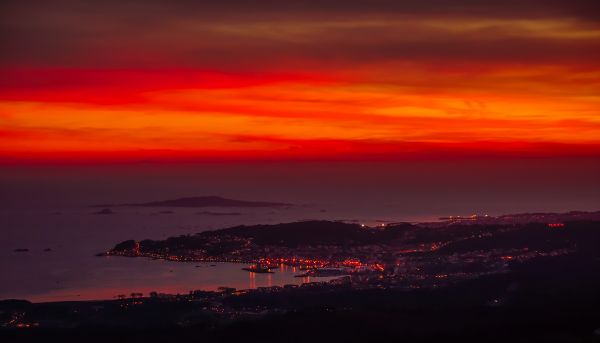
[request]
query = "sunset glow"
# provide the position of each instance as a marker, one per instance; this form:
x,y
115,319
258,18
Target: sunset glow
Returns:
x,y
386,84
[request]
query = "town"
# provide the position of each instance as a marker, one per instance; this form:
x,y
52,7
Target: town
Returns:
x,y
366,268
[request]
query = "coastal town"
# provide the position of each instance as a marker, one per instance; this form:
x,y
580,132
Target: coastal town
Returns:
x,y
347,269
400,256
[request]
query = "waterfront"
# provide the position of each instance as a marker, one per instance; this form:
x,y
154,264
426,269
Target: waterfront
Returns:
x,y
107,277
71,271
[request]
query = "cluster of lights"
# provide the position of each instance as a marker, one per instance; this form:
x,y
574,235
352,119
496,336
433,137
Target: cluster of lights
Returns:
x,y
306,263
352,262
293,261
380,225
26,325
471,217
378,267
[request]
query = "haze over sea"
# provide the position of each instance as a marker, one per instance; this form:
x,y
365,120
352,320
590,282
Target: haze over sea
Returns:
x,y
48,207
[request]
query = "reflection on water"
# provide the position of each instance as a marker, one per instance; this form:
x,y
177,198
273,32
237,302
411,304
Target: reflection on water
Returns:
x,y
252,280
55,268
111,276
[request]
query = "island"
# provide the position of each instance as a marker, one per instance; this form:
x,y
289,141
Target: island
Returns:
x,y
200,201
209,213
105,211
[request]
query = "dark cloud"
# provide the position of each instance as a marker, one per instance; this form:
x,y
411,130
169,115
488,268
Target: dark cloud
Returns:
x,y
217,34
142,9
135,9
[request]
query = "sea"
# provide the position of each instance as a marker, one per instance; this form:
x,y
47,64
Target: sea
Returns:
x,y
46,212
50,255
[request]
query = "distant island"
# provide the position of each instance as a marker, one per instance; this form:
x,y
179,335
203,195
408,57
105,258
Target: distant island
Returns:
x,y
201,201
104,211
209,213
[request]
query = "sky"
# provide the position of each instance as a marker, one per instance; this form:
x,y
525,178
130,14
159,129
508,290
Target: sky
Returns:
x,y
489,83
181,80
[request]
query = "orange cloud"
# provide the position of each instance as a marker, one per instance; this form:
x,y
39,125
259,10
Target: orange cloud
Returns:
x,y
385,111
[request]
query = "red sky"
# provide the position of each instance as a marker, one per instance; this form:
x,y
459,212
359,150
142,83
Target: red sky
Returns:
x,y
279,80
